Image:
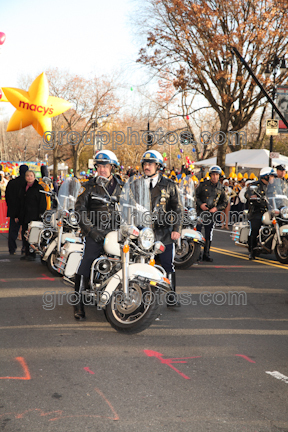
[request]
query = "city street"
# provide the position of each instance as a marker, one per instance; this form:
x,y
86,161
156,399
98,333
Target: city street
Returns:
x,y
217,364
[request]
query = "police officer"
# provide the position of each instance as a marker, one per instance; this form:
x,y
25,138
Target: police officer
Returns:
x,y
210,198
281,172
95,219
165,198
257,206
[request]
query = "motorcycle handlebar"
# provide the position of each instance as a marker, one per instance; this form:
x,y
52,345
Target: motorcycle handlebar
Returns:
x,y
110,200
47,193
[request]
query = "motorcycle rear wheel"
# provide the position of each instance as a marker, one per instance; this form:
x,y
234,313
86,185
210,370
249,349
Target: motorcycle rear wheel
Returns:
x,y
136,315
281,252
184,261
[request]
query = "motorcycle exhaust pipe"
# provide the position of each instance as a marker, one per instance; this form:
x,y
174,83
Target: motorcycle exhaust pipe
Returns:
x,y
241,244
68,281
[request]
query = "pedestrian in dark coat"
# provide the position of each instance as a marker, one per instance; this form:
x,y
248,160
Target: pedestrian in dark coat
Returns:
x,y
12,197
32,206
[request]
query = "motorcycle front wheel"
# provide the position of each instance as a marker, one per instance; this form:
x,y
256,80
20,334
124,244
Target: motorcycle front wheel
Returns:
x,y
281,252
187,255
51,264
135,314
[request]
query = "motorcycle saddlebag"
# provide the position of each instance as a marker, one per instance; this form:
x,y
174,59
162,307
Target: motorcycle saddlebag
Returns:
x,y
240,232
74,253
35,227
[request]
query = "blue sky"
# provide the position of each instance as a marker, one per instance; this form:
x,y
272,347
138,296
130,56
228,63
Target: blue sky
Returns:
x,y
84,36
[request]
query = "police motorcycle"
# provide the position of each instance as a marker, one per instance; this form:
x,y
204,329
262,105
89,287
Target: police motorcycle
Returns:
x,y
273,234
62,226
38,234
188,248
124,280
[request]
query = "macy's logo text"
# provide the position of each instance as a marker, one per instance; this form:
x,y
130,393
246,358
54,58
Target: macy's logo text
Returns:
x,y
33,107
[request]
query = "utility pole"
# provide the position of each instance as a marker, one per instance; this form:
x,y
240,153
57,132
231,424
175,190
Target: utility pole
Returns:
x,y
149,141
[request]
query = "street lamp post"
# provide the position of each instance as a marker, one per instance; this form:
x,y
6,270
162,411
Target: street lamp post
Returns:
x,y
273,67
95,126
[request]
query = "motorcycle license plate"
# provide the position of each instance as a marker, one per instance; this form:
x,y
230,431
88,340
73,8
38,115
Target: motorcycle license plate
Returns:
x,y
285,230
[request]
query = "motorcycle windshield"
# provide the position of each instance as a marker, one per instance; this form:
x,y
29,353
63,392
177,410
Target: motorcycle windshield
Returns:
x,y
277,193
68,193
187,192
135,203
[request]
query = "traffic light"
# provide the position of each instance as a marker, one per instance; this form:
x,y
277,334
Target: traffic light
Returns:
x,y
149,140
186,138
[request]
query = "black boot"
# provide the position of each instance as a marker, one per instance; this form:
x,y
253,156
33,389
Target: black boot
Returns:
x,y
206,253
172,297
79,312
250,248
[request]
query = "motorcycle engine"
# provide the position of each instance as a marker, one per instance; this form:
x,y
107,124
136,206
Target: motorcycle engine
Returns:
x,y
104,268
46,234
264,233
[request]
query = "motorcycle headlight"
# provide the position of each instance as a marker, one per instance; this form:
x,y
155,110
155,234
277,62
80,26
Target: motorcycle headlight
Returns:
x,y
146,238
73,220
284,212
192,215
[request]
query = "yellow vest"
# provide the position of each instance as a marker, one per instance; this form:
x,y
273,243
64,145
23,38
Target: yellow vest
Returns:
x,y
46,189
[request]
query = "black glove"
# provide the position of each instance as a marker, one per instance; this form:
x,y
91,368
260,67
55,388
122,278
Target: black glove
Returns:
x,y
96,235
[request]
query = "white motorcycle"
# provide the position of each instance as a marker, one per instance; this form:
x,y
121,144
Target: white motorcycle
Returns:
x,y
38,234
63,225
189,245
125,281
273,234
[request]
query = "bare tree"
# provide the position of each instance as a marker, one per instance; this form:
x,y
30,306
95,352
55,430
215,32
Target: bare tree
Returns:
x,y
191,41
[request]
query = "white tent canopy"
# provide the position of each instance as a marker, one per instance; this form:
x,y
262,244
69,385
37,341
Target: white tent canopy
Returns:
x,y
247,158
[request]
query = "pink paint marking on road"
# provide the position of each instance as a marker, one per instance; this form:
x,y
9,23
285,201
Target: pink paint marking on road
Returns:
x,y
245,357
183,358
3,280
116,416
45,277
26,376
169,361
88,370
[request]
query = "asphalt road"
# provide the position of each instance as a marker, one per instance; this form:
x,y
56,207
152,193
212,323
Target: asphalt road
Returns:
x,y
211,365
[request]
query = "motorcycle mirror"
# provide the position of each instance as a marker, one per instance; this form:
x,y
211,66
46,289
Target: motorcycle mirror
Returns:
x,y
101,181
47,180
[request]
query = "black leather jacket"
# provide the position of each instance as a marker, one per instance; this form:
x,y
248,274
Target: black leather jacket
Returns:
x,y
96,217
211,194
256,207
165,198
284,185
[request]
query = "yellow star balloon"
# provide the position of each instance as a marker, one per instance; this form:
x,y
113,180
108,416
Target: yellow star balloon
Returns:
x,y
2,96
34,107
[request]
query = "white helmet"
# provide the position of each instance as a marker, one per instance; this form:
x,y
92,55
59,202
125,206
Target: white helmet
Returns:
x,y
215,169
106,156
152,156
267,171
